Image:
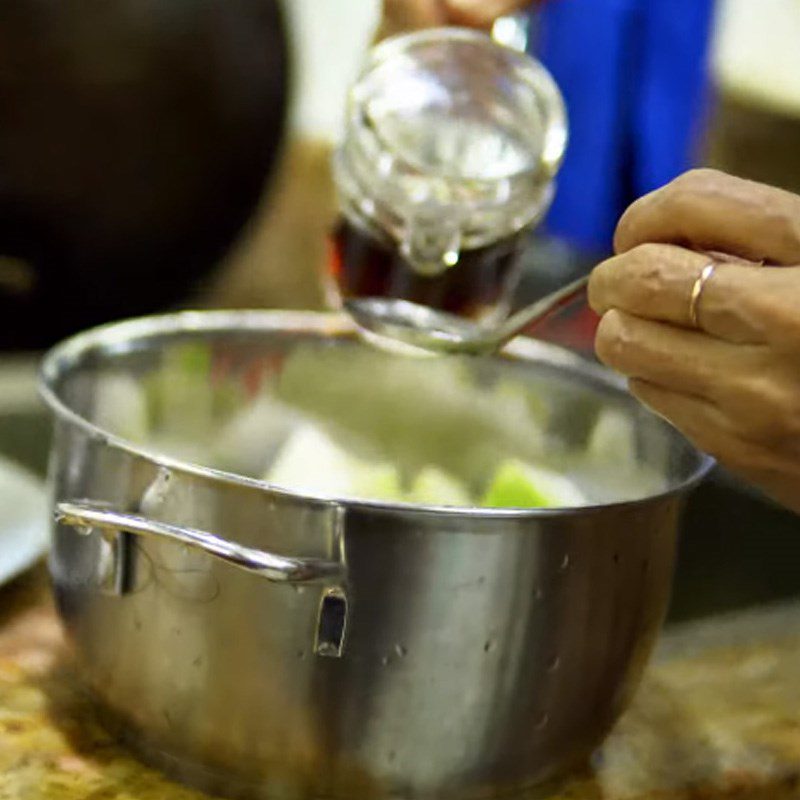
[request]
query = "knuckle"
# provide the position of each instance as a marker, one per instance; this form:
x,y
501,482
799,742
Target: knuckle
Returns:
x,y
624,234
782,221
611,340
695,180
777,308
683,193
730,307
596,290
767,307
647,253
633,226
649,279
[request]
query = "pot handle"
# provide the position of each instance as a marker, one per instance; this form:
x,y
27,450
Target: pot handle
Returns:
x,y
85,516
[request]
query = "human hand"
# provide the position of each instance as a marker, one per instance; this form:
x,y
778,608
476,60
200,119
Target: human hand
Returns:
x,y
730,378
408,15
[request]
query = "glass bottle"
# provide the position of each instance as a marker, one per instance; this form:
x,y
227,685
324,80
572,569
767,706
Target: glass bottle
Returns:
x,y
451,146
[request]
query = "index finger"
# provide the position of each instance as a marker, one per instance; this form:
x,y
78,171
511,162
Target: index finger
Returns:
x,y
742,304
709,210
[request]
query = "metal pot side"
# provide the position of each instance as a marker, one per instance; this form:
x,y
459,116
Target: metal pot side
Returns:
x,y
259,643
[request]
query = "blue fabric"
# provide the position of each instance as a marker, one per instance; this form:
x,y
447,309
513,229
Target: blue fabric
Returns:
x,y
634,77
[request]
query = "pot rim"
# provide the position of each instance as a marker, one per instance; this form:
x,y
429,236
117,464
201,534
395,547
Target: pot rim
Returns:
x,y
118,337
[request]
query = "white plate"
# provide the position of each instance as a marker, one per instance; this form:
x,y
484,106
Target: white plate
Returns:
x,y
24,525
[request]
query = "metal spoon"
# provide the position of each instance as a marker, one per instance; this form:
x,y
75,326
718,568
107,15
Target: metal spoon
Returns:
x,y
438,331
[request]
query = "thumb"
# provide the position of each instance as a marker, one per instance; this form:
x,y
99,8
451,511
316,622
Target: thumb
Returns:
x,y
400,16
481,13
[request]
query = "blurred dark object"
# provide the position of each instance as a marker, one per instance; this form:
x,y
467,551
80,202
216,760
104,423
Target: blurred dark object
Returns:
x,y
136,138
548,264
738,548
366,265
755,142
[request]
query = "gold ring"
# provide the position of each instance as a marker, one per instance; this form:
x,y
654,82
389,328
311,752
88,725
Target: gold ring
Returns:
x,y
697,292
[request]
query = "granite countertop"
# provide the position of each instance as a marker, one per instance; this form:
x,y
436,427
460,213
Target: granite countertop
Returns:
x,y
718,716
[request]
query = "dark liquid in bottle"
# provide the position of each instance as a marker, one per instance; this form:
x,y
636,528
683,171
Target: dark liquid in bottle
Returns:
x,y
364,266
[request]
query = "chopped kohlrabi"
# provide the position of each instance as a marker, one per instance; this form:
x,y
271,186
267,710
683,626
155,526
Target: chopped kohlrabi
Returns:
x,y
313,463
434,487
310,462
519,485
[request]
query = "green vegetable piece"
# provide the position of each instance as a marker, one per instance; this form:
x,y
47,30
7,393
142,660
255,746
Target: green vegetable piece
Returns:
x,y
193,358
378,482
511,487
520,485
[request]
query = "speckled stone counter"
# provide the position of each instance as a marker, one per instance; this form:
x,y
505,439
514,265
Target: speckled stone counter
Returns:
x,y
718,716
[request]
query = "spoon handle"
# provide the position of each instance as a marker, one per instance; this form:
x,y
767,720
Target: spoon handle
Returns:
x,y
537,311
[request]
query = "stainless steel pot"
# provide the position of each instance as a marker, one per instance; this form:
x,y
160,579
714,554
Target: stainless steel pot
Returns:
x,y
262,643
